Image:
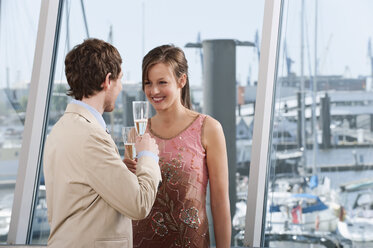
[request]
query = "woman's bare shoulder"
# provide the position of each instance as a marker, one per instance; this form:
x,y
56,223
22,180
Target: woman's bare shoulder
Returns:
x,y
212,132
212,124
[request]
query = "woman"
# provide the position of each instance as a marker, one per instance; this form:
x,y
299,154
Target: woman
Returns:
x,y
192,151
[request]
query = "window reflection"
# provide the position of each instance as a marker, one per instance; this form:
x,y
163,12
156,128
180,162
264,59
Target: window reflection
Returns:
x,y
18,28
320,181
135,27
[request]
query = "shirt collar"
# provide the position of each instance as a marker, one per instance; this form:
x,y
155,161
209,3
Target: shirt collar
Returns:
x,y
93,111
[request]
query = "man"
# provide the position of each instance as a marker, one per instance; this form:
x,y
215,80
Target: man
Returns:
x,y
91,195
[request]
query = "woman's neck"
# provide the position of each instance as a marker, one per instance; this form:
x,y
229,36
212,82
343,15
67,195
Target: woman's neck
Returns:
x,y
170,115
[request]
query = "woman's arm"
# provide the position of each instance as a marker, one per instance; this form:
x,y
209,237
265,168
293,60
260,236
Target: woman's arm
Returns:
x,y
217,163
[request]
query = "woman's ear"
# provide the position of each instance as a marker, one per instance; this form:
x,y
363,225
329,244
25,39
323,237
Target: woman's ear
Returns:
x,y
182,80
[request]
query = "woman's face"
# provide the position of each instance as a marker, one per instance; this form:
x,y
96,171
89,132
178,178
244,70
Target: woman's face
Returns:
x,y
162,88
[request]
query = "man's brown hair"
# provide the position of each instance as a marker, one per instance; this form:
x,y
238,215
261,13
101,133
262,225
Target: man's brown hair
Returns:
x,y
87,65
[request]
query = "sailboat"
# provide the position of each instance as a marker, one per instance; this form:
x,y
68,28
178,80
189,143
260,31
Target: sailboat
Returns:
x,y
357,226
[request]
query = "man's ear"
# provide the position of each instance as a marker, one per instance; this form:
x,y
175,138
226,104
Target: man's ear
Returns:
x,y
106,84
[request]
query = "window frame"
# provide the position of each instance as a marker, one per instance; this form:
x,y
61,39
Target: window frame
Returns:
x,y
34,131
257,187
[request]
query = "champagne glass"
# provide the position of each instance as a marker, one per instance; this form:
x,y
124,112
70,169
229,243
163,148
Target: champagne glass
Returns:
x,y
129,140
140,115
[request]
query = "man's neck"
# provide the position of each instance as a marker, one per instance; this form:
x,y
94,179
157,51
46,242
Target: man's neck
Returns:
x,y
96,101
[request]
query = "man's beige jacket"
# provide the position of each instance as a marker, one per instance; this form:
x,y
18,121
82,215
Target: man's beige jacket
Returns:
x,y
91,195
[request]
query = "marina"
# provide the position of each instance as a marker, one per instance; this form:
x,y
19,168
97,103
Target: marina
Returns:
x,y
293,92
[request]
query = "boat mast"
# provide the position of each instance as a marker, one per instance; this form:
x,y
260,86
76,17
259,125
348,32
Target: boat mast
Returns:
x,y
0,24
143,28
302,95
314,94
111,114
67,9
370,57
84,18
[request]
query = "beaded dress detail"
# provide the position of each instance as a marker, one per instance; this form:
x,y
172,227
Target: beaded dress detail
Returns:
x,y
178,217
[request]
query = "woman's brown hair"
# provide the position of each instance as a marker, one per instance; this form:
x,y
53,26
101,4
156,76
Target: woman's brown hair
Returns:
x,y
174,57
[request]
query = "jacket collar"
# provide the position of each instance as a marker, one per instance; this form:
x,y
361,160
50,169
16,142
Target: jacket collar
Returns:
x,y
82,111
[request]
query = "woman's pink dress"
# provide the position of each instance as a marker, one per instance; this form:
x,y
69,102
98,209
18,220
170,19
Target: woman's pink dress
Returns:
x,y
178,217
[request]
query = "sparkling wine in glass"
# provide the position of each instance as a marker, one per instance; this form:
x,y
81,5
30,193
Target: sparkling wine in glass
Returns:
x,y
140,115
129,139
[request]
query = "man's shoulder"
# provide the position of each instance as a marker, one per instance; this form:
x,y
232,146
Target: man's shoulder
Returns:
x,y
73,128
75,121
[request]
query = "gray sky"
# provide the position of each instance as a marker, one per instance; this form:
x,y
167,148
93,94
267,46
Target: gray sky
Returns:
x,y
170,21
344,28
343,32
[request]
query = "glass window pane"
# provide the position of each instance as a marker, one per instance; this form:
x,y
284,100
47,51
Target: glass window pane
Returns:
x,y
320,168
18,28
135,27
